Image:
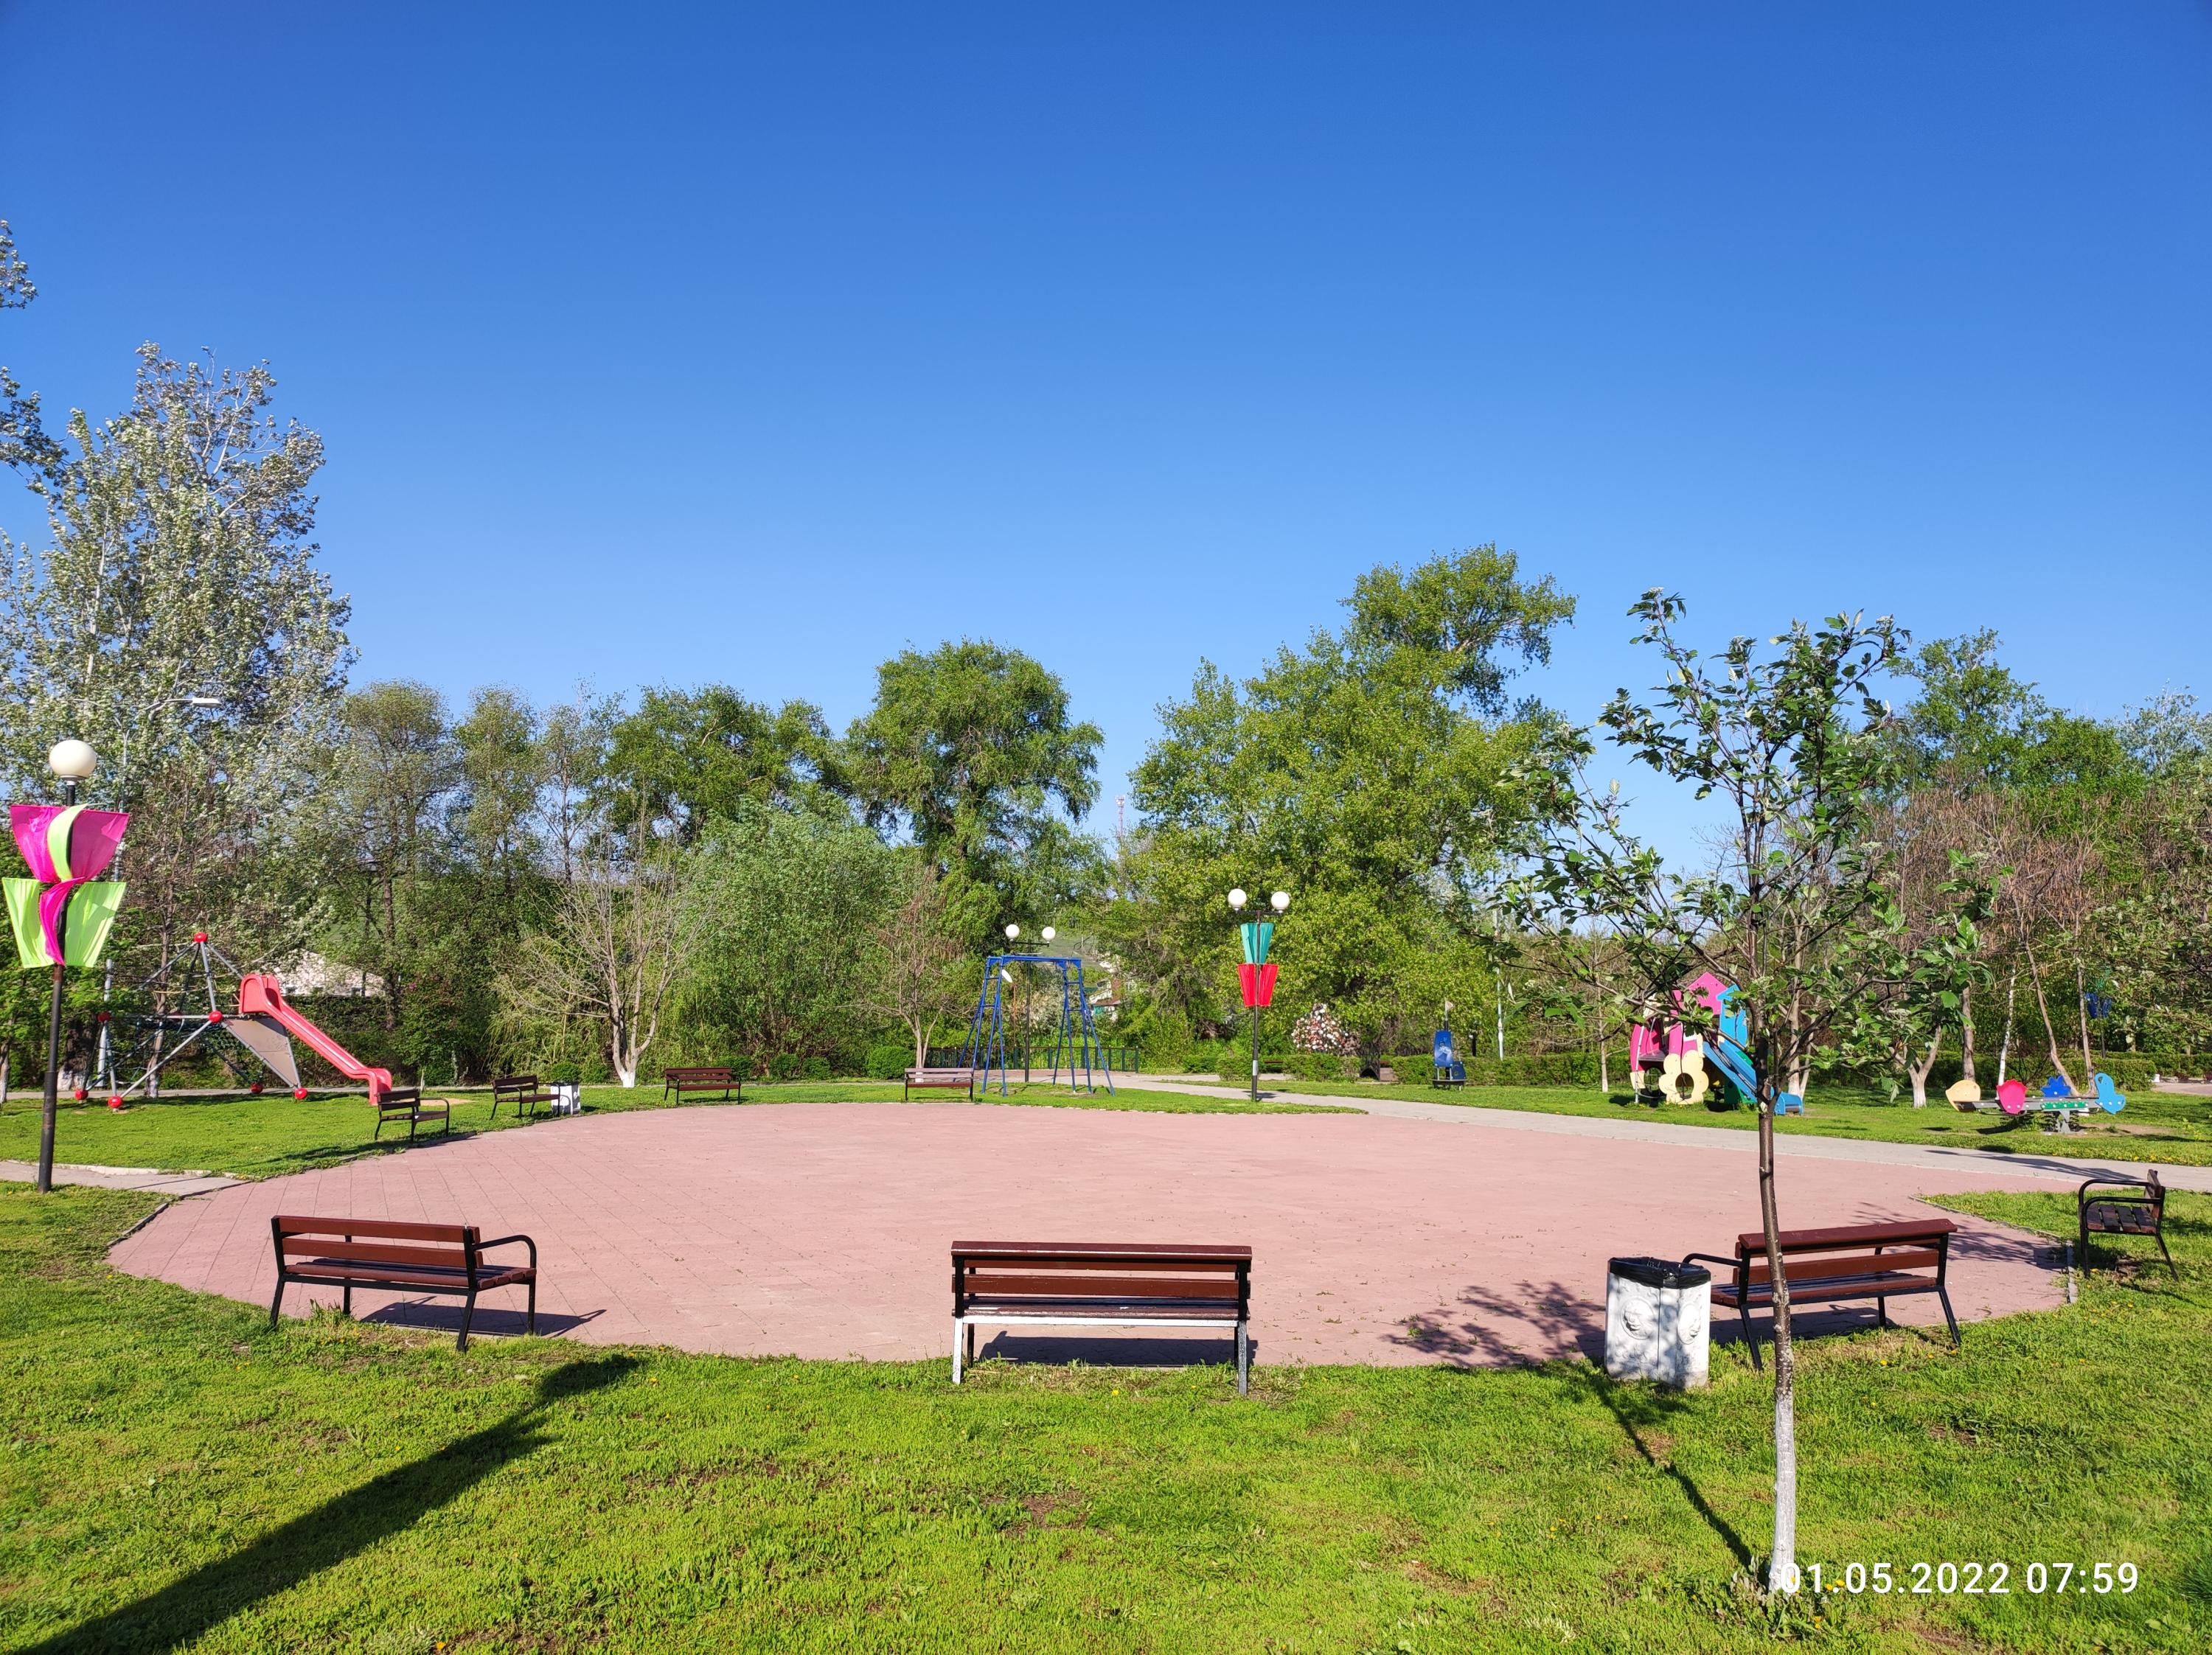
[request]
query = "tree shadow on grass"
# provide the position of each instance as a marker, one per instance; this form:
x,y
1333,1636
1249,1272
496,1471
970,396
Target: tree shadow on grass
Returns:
x,y
1641,1411
185,1611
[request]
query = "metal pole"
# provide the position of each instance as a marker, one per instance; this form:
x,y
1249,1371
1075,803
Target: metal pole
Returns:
x,y
1255,1052
45,1182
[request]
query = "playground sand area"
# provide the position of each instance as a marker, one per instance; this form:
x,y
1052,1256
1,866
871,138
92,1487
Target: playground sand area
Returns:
x,y
821,1230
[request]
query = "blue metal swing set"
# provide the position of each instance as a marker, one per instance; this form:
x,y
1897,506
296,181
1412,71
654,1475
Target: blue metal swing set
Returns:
x,y
1074,1037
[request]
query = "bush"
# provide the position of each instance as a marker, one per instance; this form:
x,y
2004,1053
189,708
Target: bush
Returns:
x,y
888,1062
569,1074
785,1067
816,1069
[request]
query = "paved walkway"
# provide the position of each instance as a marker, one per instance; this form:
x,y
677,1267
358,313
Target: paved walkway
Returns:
x,y
1632,1128
119,1177
821,1230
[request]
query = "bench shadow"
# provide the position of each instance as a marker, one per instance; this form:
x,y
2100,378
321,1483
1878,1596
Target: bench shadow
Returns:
x,y
185,1611
1103,1350
444,1316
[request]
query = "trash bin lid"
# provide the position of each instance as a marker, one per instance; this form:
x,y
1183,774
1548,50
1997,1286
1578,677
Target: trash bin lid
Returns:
x,y
1660,1272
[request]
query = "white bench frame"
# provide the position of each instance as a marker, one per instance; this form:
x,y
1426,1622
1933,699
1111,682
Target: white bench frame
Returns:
x,y
963,1326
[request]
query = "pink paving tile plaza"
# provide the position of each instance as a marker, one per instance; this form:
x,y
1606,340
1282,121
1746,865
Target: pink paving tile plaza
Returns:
x,y
821,1230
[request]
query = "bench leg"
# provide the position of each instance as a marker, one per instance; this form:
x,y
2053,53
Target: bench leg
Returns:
x,y
1243,1360
1750,1337
1880,1311
277,1304
468,1315
2159,1236
1943,1296
959,1339
346,1300
532,1323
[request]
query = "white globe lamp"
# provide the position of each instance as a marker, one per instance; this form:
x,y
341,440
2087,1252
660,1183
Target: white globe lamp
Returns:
x,y
72,759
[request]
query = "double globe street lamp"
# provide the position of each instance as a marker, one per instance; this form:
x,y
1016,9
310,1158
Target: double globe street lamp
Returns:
x,y
72,761
1255,975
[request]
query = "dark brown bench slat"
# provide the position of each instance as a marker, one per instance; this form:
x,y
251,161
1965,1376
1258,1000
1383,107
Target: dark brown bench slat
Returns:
x,y
368,1275
1128,1286
1817,1268
1847,1235
399,1229
1078,1282
331,1253
938,1080
1119,1254
374,1252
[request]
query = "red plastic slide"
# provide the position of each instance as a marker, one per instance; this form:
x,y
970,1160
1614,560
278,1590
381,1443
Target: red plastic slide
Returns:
x,y
263,996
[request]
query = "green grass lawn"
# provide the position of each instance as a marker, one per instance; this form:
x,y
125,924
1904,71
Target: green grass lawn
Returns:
x,y
274,1133
179,1475
2172,1127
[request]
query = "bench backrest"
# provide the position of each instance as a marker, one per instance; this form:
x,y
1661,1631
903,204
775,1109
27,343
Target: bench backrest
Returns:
x,y
710,1076
400,1097
506,1083
940,1074
1849,1249
376,1241
1000,1271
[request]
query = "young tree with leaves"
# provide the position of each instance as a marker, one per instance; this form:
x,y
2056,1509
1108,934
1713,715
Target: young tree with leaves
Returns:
x,y
920,974
1796,745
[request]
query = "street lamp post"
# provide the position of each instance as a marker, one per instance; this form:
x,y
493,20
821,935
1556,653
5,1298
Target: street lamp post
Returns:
x,y
73,761
1259,988
1013,936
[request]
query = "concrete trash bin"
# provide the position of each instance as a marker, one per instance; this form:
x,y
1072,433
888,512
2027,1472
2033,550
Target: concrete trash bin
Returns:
x,y
1658,1321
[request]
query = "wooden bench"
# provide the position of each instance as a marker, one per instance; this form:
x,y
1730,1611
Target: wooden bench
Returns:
x,y
1084,1284
722,1079
406,1103
1879,1262
520,1090
938,1080
2124,1206
404,1258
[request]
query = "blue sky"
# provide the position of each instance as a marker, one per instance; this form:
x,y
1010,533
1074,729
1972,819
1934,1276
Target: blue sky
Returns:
x,y
666,344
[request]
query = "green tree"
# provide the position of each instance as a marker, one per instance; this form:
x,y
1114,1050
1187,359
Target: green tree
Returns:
x,y
1371,773
391,779
24,444
969,750
685,759
789,905
1800,912
177,621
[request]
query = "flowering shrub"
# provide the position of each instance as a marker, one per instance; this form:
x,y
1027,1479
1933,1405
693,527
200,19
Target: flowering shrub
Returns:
x,y
1322,1030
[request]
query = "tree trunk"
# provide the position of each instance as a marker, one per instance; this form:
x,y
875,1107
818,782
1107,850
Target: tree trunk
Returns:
x,y
2088,1060
4,1080
2049,1032
1966,1035
1921,1070
1782,1566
